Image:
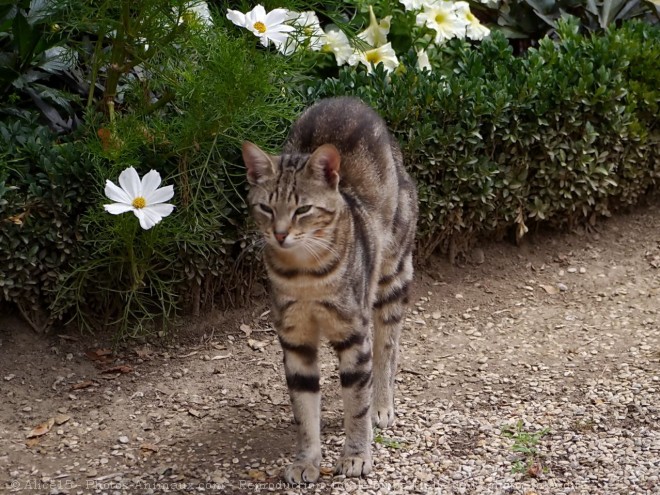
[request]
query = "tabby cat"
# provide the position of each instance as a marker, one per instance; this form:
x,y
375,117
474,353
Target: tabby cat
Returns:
x,y
338,212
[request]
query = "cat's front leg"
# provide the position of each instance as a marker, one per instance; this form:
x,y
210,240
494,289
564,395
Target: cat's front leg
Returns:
x,y
356,381
302,378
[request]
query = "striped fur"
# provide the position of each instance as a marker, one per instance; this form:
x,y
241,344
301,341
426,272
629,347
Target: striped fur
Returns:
x,y
338,213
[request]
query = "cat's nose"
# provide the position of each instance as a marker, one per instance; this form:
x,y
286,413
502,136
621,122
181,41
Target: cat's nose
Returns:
x,y
281,236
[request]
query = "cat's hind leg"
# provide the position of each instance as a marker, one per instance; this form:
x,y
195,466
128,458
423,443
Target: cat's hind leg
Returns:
x,y
389,312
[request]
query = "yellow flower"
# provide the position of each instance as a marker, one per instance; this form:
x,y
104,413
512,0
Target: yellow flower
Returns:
x,y
371,58
440,16
475,30
376,33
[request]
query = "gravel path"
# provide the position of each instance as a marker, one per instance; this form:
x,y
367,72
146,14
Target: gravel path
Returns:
x,y
533,370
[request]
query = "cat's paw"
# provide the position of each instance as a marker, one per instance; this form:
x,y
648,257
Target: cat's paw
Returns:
x,y
354,465
382,417
301,472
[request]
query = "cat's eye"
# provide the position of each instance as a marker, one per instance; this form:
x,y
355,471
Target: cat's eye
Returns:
x,y
266,208
303,209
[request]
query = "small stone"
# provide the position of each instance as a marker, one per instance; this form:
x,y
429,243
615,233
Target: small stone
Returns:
x,y
572,269
562,287
436,315
123,439
583,270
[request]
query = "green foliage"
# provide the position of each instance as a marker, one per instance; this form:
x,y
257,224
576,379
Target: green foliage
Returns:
x,y
525,443
222,91
182,109
537,18
497,142
36,71
42,194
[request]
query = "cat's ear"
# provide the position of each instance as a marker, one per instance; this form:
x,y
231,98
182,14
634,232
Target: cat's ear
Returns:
x,y
258,163
324,164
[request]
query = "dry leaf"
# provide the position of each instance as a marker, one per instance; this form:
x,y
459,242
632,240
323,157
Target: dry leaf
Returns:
x,y
326,471
60,419
188,355
41,429
257,475
218,357
122,368
81,385
32,442
143,353
257,344
68,337
535,470
101,355
550,289
246,330
149,447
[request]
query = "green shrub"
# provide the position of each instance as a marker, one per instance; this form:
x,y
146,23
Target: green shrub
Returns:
x,y
42,195
222,92
497,142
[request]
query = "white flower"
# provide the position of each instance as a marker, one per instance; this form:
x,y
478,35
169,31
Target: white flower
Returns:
x,y
307,32
412,4
423,62
337,42
475,30
376,33
144,198
266,26
440,16
371,58
199,10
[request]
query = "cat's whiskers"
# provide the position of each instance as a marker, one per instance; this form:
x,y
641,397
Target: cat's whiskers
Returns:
x,y
324,244
310,250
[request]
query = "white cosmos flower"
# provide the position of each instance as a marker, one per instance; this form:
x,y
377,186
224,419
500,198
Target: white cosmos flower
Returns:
x,y
475,30
412,4
337,42
376,33
371,58
307,32
266,26
143,197
440,16
423,62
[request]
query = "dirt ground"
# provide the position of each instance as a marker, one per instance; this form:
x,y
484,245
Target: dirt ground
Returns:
x,y
539,324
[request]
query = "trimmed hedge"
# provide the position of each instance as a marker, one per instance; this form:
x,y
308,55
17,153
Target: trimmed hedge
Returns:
x,y
42,195
497,142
